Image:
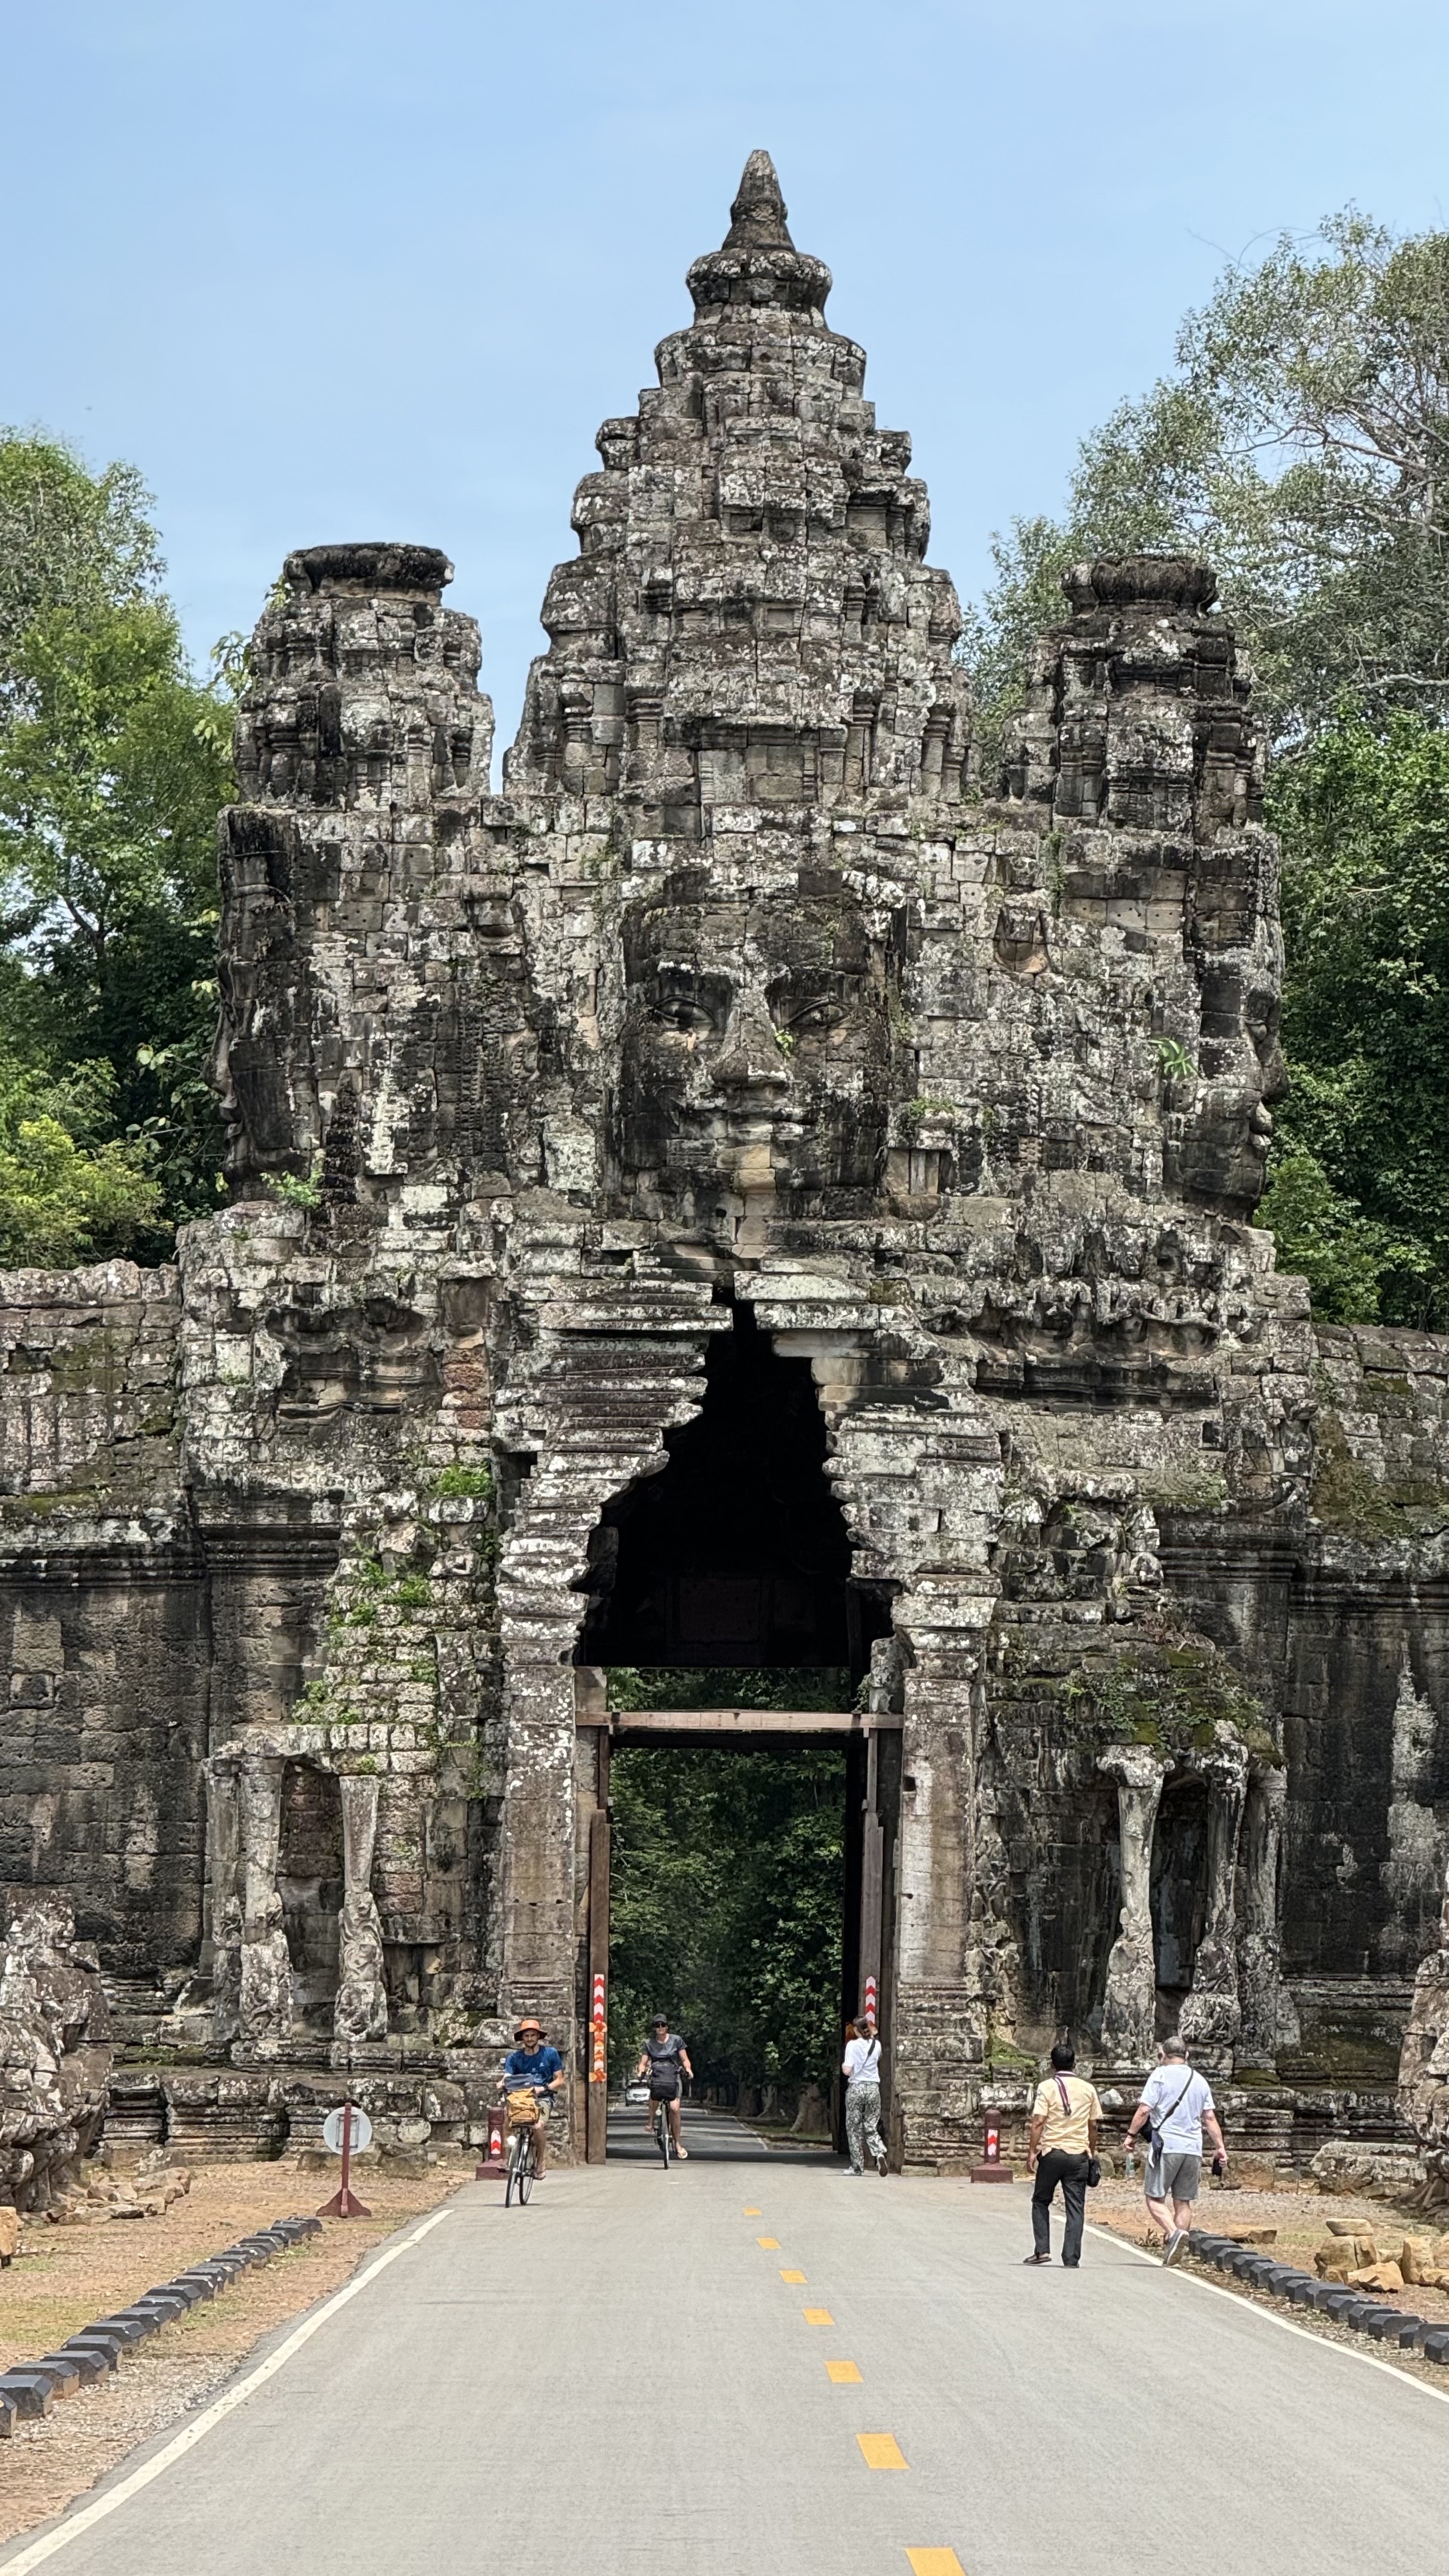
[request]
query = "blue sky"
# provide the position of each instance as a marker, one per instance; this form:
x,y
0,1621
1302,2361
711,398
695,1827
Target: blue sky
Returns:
x,y
342,269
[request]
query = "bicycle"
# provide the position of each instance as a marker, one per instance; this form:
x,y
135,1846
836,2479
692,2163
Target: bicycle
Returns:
x,y
663,2134
522,2163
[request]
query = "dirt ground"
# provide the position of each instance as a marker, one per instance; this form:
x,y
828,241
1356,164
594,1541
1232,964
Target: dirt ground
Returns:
x,y
1301,2221
65,2277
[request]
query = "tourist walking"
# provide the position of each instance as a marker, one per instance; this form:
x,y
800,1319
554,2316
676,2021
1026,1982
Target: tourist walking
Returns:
x,y
861,2069
1065,2118
1176,2107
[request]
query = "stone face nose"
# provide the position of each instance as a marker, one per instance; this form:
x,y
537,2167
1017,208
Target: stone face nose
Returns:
x,y
752,1060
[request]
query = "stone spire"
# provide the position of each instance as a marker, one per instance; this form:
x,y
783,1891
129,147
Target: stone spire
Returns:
x,y
757,217
750,622
757,262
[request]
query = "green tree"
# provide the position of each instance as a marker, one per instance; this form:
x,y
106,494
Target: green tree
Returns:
x,y
68,1191
68,539
113,763
1359,1183
1301,445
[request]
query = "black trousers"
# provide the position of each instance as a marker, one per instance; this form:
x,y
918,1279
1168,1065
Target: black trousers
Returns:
x,y
1071,2172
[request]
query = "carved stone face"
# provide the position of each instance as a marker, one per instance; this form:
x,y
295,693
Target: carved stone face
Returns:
x,y
1241,1074
261,1067
756,1046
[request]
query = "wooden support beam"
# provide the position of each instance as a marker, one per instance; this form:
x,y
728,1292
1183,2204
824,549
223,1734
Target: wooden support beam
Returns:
x,y
596,2096
742,1721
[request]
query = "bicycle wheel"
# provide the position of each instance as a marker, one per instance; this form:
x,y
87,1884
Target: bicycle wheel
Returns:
x,y
514,2145
661,2123
527,2166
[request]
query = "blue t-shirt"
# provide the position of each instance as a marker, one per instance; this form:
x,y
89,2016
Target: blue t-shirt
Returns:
x,y
532,2065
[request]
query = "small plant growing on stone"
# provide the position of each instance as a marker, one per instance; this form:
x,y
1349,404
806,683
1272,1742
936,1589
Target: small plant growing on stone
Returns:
x,y
1177,1065
463,1484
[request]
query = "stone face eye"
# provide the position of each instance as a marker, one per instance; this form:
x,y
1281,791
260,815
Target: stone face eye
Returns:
x,y
688,1009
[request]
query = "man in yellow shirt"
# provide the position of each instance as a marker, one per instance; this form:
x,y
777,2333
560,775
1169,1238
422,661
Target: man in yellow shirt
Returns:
x,y
1064,2122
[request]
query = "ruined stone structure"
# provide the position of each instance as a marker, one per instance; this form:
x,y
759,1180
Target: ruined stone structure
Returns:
x,y
55,2055
749,1058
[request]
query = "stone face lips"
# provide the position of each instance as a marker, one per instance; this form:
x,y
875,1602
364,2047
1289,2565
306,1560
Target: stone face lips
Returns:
x,y
749,1006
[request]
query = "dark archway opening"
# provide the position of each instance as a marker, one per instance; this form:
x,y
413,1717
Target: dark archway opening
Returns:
x,y
1179,1892
310,1878
740,1903
736,1555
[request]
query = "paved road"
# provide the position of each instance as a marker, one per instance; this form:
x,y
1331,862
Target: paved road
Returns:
x,y
714,2135
619,2375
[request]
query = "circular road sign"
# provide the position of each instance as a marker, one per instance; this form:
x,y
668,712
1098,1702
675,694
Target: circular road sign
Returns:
x,y
332,2131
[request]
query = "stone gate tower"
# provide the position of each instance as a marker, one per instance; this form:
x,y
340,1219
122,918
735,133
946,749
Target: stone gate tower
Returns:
x,y
747,1012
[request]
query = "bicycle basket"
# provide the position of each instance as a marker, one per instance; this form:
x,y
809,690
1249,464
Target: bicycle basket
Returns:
x,y
522,2110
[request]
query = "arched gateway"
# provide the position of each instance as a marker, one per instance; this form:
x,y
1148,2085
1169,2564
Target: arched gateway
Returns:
x,y
748,1017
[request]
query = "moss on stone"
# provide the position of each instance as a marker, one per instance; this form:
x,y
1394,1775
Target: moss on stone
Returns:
x,y
1171,1696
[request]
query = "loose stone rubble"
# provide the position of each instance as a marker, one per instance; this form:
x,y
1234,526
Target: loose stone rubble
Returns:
x,y
747,1014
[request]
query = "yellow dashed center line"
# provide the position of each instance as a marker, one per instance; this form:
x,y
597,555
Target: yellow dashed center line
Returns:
x,y
881,2451
771,2244
935,2562
792,2276
844,2373
754,2213
818,2317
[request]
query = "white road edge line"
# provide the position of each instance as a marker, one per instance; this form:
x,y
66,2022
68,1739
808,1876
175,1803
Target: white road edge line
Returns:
x,y
1321,2343
236,2395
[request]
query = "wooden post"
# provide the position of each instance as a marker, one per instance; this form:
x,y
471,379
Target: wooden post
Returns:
x,y
872,1872
596,2110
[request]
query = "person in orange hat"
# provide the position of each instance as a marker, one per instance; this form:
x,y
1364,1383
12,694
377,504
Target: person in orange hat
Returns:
x,y
534,2066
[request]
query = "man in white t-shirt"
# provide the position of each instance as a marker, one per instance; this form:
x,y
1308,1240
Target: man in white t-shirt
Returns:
x,y
1179,2104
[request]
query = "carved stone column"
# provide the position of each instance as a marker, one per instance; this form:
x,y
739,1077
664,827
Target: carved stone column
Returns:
x,y
1212,2016
361,2009
1129,2012
1424,2061
265,2003
222,1956
1269,2019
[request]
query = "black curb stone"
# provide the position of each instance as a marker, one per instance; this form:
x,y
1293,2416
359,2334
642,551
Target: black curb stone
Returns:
x,y
1326,2298
91,2355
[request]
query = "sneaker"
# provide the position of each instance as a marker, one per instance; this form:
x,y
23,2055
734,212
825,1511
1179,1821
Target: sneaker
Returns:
x,y
881,2167
853,2173
1035,2258
1174,2246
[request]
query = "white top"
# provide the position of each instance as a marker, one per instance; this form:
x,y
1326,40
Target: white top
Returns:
x,y
862,2062
1181,2131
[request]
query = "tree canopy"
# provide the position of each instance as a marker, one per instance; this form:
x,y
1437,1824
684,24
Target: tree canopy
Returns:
x,y
1301,446
114,761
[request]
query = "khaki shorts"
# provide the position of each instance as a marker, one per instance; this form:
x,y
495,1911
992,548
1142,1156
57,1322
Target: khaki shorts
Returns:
x,y
1178,2175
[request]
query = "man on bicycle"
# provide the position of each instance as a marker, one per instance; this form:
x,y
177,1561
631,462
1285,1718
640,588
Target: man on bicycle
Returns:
x,y
664,2056
534,2067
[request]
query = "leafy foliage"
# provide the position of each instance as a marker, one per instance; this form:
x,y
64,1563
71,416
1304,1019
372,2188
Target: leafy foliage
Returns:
x,y
1301,445
1359,1184
68,1192
69,540
113,763
727,1895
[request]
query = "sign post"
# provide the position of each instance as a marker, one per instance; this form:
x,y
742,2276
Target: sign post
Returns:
x,y
495,2160
991,2167
598,2035
346,2132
